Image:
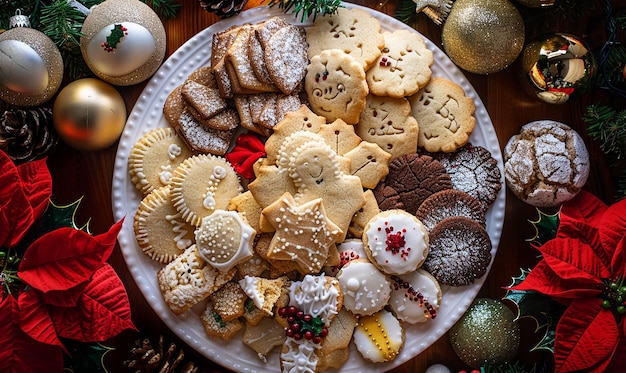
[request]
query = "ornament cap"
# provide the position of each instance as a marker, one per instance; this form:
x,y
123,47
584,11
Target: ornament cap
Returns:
x,y
19,20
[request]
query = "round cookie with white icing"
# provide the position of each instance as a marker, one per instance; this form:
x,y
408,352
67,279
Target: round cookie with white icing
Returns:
x,y
349,250
203,184
396,242
366,289
379,337
224,239
415,296
154,157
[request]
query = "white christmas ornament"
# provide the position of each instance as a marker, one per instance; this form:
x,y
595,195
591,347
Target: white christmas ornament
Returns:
x,y
123,41
438,368
22,68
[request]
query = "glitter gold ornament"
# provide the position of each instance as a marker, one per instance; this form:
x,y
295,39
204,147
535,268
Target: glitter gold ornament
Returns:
x,y
89,114
486,334
31,66
483,36
123,41
557,67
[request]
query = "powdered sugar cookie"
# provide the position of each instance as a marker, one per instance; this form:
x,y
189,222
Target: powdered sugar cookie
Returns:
x,y
448,203
403,67
396,242
354,31
446,115
335,85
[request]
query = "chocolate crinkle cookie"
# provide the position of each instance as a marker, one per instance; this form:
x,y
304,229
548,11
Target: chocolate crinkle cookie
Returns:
x,y
414,178
473,170
448,203
460,251
27,134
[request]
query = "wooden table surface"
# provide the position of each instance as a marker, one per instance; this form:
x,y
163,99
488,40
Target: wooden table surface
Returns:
x,y
89,174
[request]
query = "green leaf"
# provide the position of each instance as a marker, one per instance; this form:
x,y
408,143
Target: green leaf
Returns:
x,y
545,227
85,357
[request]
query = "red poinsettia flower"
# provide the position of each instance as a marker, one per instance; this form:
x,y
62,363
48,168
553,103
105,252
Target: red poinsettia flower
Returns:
x,y
63,287
584,267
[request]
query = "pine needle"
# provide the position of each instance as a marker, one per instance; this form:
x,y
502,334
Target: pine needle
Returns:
x,y
308,8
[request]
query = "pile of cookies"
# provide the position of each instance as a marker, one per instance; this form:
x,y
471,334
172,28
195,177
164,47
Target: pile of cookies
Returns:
x,y
367,199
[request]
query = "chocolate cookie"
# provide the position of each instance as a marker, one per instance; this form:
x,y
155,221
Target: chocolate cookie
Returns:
x,y
448,203
473,170
460,251
415,177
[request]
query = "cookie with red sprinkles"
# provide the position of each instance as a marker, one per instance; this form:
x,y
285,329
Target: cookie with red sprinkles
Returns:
x,y
460,251
473,170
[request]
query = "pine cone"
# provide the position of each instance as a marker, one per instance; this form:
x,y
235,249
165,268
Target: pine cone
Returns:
x,y
223,8
146,358
26,135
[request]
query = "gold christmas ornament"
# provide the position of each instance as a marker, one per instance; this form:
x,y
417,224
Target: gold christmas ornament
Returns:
x,y
89,114
486,334
483,36
123,41
536,3
31,66
557,67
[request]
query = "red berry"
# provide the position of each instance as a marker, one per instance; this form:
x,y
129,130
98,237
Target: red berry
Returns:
x,y
289,333
296,326
308,335
300,315
317,339
324,332
297,336
282,312
291,319
308,318
292,310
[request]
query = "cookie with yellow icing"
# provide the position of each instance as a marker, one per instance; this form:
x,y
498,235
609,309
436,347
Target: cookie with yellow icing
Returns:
x,y
379,337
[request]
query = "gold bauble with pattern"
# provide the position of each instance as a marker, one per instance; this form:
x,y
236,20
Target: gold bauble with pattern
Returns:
x,y
123,41
89,114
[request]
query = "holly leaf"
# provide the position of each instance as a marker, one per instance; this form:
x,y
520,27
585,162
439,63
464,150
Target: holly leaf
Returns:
x,y
572,259
85,357
35,319
66,257
586,336
101,313
545,227
20,353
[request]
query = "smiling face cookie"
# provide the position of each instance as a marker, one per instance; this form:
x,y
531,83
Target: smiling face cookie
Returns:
x,y
336,86
403,67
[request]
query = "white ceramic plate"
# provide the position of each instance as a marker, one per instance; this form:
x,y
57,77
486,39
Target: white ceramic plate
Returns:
x,y
147,115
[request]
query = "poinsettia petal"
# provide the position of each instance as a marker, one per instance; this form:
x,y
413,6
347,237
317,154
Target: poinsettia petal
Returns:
x,y
37,184
584,207
586,336
544,280
66,257
102,312
612,233
573,259
35,319
20,353
619,357
16,213
64,298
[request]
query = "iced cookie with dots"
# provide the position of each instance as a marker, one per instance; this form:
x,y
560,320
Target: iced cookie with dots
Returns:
x,y
366,289
445,115
354,31
154,157
224,239
460,251
403,67
203,184
160,230
396,242
379,337
229,301
415,297
389,123
335,85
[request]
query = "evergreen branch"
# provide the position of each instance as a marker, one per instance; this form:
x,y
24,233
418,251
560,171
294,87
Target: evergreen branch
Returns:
x,y
405,11
308,7
608,126
167,8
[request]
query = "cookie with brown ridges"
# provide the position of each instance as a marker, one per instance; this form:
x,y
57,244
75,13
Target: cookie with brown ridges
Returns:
x,y
448,203
460,251
160,231
415,177
387,197
473,170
